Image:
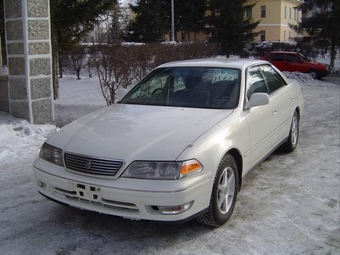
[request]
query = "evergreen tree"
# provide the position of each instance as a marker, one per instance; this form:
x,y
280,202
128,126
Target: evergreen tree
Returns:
x,y
150,23
73,19
228,26
190,17
321,25
70,21
152,19
119,21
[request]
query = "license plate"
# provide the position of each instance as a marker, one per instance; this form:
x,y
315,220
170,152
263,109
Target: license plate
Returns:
x,y
88,192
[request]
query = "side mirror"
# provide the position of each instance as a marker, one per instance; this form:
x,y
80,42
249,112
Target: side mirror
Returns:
x,y
258,99
120,93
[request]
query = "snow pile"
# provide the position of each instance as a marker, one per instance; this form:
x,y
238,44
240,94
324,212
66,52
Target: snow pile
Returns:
x,y
19,138
305,79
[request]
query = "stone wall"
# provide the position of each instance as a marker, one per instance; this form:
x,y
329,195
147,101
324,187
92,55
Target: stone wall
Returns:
x,y
29,60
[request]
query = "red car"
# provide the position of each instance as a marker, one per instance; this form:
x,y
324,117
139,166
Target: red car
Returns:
x,y
296,62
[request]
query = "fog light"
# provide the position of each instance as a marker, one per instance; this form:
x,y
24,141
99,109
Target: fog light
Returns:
x,y
41,184
176,209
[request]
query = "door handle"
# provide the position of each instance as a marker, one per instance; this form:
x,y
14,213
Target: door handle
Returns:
x,y
274,111
293,99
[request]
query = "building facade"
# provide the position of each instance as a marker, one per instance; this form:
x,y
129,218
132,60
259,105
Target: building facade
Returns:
x,y
275,17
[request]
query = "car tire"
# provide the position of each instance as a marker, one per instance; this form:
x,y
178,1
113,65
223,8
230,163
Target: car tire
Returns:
x,y
314,73
293,138
224,194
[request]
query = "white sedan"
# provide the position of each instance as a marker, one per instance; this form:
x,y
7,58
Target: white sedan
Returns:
x,y
178,145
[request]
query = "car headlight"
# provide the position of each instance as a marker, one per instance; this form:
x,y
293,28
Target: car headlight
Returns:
x,y
162,170
51,154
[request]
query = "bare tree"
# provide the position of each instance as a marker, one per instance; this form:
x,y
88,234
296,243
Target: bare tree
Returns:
x,y
77,59
113,69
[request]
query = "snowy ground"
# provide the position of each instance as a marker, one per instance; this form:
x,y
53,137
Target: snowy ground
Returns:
x,y
288,205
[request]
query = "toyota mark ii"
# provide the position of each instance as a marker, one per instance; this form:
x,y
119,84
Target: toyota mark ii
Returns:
x,y
178,145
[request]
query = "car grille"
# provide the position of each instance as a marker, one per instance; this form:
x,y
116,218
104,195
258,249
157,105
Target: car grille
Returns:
x,y
92,165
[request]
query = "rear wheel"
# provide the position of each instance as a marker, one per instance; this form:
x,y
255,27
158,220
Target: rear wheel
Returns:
x,y
224,194
293,138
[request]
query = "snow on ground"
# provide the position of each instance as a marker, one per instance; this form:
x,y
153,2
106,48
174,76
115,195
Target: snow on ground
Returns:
x,y
288,205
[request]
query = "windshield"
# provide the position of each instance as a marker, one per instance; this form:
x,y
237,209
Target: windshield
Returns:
x,y
197,87
303,57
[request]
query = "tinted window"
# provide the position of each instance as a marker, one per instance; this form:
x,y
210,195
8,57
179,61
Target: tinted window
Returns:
x,y
292,58
256,82
274,80
278,57
197,87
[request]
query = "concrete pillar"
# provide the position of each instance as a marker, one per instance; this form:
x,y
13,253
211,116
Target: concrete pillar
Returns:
x,y
29,60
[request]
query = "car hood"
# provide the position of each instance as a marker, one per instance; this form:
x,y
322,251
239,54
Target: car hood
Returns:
x,y
136,132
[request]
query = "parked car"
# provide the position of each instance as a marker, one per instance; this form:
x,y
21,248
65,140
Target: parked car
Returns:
x,y
178,144
296,62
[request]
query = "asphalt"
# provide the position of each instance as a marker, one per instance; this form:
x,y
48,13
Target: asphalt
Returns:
x,y
332,78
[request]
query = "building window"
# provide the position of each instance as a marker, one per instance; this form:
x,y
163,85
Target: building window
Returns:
x,y
290,12
263,36
294,14
284,35
285,12
248,12
263,11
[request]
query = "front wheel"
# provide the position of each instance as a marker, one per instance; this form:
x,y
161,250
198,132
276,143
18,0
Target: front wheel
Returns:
x,y
314,73
224,194
293,138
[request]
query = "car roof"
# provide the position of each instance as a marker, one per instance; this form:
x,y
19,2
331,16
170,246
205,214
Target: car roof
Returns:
x,y
215,62
291,52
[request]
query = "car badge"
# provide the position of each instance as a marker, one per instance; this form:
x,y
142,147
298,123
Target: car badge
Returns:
x,y
88,165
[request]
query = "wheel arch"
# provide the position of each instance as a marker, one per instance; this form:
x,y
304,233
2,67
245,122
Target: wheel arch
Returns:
x,y
298,110
316,71
239,162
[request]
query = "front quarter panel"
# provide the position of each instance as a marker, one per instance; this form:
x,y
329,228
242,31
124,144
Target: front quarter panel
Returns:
x,y
209,149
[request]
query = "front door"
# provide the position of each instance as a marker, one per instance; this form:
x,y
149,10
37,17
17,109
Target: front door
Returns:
x,y
261,119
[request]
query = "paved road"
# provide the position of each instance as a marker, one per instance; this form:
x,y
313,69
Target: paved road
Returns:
x,y
332,78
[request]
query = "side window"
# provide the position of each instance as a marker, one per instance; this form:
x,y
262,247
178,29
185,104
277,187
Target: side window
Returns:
x,y
274,79
278,57
292,58
255,82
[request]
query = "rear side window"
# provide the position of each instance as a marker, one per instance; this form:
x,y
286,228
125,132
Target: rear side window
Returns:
x,y
273,78
256,82
292,58
278,57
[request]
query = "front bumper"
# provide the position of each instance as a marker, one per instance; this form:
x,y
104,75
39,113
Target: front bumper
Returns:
x,y
128,198
323,73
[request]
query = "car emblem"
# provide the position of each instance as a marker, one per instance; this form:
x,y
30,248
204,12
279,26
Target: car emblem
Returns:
x,y
88,165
